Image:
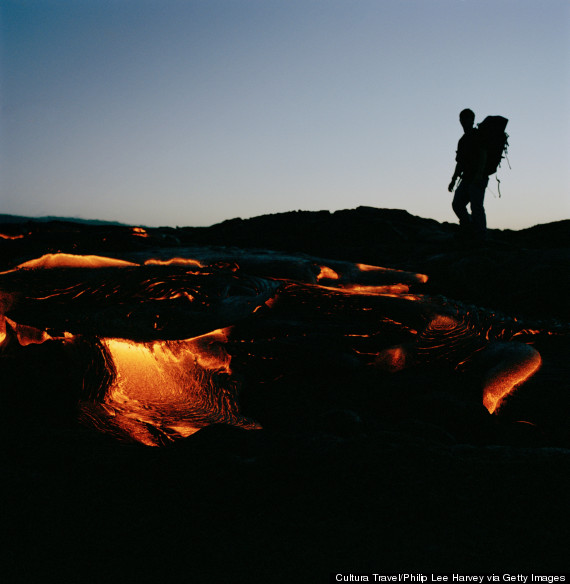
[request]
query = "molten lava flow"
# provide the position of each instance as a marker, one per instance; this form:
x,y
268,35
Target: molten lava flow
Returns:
x,y
26,335
66,260
368,268
171,389
4,236
327,273
359,289
422,278
155,391
392,359
365,290
140,232
268,304
174,262
517,362
449,338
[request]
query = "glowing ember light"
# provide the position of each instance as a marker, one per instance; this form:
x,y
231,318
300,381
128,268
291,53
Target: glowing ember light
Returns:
x,y
269,303
530,332
443,322
140,232
327,273
4,236
392,359
174,262
66,260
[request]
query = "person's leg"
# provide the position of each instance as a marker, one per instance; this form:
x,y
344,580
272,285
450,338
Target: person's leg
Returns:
x,y
459,205
477,198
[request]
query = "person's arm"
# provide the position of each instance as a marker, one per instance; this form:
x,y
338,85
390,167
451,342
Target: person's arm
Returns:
x,y
459,158
454,178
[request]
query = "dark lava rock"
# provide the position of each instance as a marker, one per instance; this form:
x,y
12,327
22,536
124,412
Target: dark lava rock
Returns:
x,y
355,473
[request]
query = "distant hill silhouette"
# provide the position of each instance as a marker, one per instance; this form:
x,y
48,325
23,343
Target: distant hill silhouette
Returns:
x,y
4,218
347,226
363,233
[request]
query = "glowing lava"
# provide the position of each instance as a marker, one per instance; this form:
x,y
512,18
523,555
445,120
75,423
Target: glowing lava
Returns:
x,y
4,236
516,364
327,273
422,278
66,260
140,232
26,335
361,290
174,262
155,390
171,389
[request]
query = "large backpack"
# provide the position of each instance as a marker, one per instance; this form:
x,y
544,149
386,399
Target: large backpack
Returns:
x,y
495,141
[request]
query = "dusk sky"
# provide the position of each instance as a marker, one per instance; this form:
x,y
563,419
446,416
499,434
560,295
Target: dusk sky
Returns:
x,y
190,112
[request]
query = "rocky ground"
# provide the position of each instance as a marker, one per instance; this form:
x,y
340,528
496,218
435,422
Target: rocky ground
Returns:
x,y
351,473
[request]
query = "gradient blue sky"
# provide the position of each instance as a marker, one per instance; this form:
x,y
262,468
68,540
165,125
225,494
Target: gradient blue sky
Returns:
x,y
173,112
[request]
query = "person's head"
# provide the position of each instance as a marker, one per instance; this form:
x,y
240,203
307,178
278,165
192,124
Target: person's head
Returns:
x,y
467,119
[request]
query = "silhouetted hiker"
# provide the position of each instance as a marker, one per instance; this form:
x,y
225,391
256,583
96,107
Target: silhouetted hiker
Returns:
x,y
471,157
